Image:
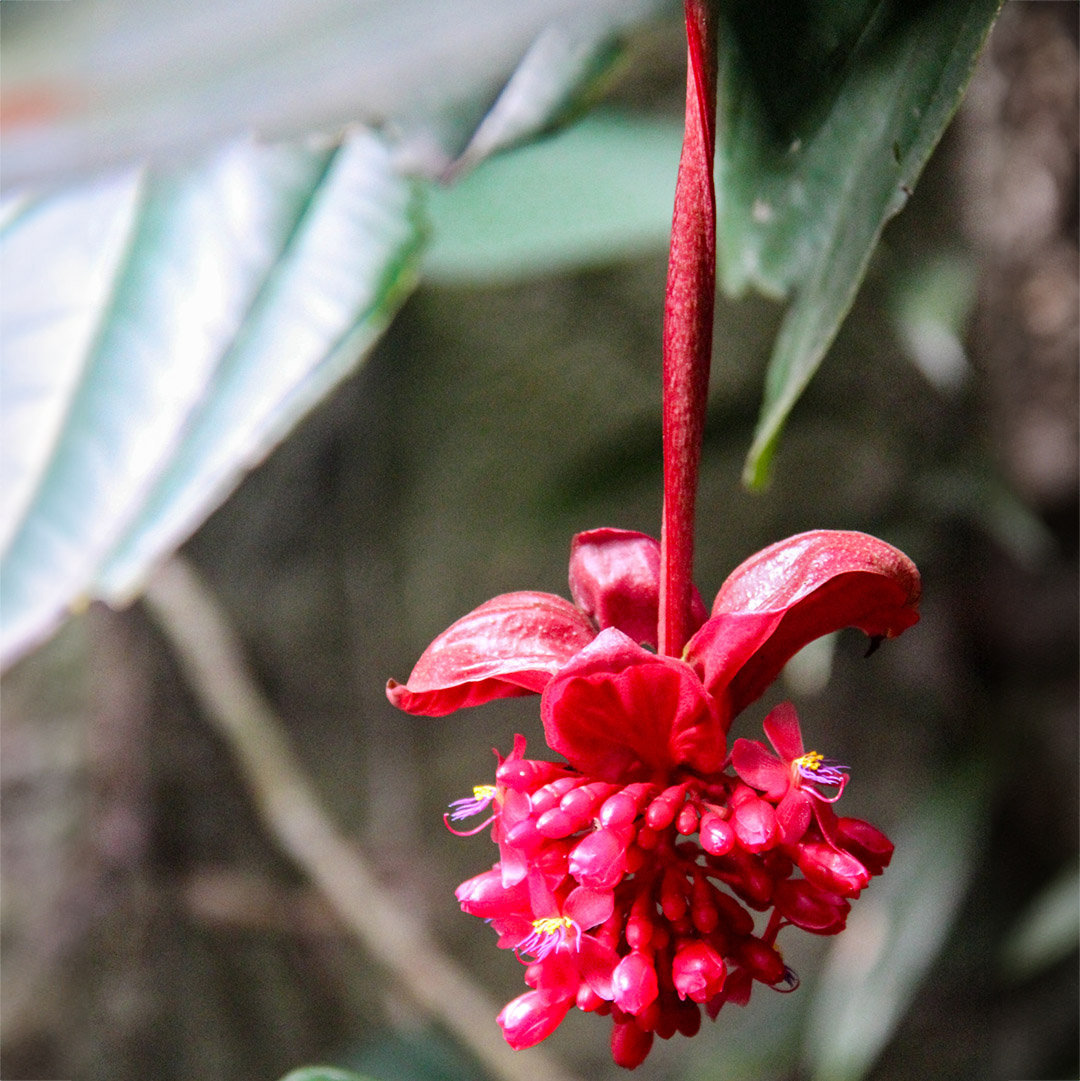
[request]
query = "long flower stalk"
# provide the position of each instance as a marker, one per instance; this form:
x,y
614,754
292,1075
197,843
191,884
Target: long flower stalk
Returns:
x,y
688,322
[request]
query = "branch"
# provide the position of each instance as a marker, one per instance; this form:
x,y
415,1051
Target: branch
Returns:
x,y
211,656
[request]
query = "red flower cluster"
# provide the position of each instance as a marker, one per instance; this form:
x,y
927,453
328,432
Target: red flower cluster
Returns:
x,y
628,876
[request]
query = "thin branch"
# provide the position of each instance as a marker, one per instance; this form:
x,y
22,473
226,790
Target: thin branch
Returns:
x,y
210,653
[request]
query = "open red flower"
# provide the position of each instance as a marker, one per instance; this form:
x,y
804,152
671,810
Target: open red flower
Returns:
x,y
793,779
627,875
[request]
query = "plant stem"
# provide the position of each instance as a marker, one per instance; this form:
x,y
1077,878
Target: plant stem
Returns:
x,y
688,319
210,654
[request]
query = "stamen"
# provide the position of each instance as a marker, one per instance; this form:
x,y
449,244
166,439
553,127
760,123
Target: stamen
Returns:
x,y
481,799
482,795
549,933
814,766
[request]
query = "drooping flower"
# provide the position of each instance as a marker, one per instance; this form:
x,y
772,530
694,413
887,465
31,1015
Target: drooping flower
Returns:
x,y
629,874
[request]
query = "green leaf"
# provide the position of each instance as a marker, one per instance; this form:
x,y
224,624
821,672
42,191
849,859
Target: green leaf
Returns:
x,y
1048,930
896,931
323,1073
828,115
92,86
162,332
600,190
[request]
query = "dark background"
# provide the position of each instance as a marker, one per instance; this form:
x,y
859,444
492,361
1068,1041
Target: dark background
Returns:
x,y
150,928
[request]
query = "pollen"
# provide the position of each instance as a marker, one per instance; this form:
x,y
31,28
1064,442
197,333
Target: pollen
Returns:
x,y
482,797
812,761
552,925
548,934
814,766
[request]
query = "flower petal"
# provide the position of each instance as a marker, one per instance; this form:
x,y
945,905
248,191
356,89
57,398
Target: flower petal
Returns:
x,y
511,645
784,732
618,710
615,580
597,962
793,815
759,768
793,592
589,908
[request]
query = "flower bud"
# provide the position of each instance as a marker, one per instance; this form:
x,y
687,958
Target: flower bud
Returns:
x,y
634,981
868,845
686,821
803,904
599,861
485,896
630,1045
543,799
717,836
698,971
673,894
556,823
754,823
528,1019
761,960
831,869
526,775
661,812
702,909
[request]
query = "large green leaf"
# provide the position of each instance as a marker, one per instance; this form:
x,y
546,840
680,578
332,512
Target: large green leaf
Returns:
x,y
600,190
828,113
95,84
323,1073
162,331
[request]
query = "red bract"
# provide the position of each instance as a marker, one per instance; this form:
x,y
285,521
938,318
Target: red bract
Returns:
x,y
628,875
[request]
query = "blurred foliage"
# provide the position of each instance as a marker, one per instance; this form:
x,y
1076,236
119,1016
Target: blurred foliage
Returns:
x,y
229,293
149,927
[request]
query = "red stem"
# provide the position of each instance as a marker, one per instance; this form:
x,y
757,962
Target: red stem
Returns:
x,y
688,319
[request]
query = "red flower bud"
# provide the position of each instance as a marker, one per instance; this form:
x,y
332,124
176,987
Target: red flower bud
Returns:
x,y
528,1019
761,961
698,971
831,869
634,981
630,1045
804,905
485,896
526,774
868,845
661,812
754,823
599,861
717,836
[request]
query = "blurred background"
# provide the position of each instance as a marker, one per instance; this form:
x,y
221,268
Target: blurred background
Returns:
x,y
150,926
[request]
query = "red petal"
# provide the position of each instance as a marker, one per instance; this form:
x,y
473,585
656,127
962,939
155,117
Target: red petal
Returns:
x,y
757,767
559,977
597,964
793,592
793,815
511,645
617,708
588,908
785,734
615,579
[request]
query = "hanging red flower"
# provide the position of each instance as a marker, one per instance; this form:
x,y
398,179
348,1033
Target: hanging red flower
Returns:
x,y
628,875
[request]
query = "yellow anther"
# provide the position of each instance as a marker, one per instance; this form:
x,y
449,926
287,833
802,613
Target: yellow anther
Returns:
x,y
811,760
551,925
483,791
